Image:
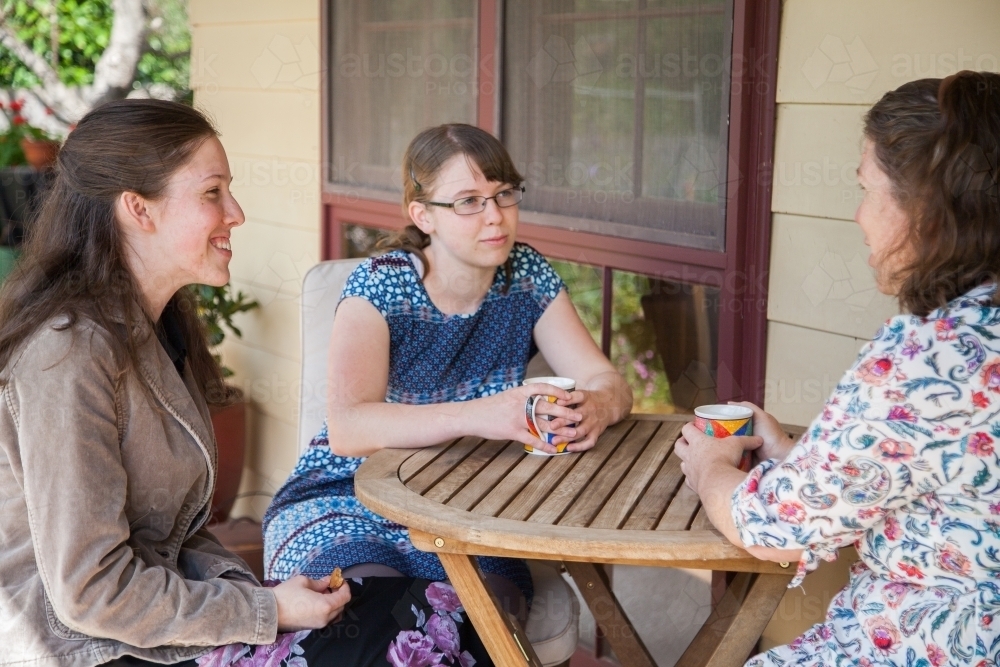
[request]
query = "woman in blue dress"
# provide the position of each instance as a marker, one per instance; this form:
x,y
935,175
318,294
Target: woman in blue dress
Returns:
x,y
430,343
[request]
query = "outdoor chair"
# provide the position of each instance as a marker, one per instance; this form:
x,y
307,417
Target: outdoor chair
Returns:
x,y
553,624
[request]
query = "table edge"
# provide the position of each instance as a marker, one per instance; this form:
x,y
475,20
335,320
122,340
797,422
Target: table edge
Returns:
x,y
378,487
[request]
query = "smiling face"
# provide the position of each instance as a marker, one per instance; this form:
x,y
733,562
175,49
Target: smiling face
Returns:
x,y
482,240
883,222
195,217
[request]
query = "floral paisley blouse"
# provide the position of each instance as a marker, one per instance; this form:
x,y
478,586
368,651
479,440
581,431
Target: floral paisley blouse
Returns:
x,y
903,463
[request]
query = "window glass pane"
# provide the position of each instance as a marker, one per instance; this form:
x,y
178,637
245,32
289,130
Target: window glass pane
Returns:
x,y
664,340
617,113
398,66
360,241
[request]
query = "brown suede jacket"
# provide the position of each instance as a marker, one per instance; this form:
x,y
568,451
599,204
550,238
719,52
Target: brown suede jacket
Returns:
x,y
104,493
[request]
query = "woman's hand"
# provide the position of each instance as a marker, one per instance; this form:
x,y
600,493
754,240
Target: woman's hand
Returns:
x,y
595,416
776,443
504,416
701,454
308,604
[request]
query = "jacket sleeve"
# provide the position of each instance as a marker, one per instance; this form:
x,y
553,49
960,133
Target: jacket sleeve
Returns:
x,y
61,395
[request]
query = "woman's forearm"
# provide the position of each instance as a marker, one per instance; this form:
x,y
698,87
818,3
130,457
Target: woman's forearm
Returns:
x,y
716,498
612,394
365,428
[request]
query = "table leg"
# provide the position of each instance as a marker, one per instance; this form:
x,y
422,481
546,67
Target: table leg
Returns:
x,y
737,621
502,636
609,615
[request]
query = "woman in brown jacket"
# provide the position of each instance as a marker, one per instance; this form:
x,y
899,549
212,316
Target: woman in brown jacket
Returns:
x,y
107,456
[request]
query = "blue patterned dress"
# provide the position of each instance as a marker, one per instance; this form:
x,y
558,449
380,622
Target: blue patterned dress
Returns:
x,y
904,463
315,522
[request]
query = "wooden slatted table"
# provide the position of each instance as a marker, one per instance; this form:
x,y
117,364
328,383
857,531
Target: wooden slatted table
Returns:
x,y
624,502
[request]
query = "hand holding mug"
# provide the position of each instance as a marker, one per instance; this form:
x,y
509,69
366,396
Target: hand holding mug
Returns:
x,y
546,422
722,421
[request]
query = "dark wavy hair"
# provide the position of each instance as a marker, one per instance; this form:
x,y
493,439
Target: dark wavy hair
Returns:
x,y
422,162
938,141
74,261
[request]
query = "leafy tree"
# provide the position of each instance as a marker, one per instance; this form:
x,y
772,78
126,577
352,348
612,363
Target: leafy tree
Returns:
x,y
69,55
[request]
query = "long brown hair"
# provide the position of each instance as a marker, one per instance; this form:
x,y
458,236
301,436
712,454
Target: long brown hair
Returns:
x,y
74,261
938,141
423,161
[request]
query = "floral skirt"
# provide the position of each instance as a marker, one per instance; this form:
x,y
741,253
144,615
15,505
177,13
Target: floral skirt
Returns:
x,y
390,622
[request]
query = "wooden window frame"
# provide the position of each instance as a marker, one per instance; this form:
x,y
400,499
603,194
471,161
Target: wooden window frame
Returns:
x,y
740,272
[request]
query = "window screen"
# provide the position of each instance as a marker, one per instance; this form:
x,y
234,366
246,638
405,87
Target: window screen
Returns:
x,y
617,112
397,67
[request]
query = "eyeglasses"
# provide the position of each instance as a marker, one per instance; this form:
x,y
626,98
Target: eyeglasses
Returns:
x,y
477,204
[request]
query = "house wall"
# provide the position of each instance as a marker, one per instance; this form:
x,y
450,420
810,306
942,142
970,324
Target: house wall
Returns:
x,y
255,69
835,60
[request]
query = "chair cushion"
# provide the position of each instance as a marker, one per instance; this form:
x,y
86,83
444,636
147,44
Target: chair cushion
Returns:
x,y
553,626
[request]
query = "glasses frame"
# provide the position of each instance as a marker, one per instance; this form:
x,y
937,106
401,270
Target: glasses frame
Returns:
x,y
517,188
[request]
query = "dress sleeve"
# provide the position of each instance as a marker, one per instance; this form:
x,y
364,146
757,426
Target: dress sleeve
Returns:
x,y
376,279
530,265
895,430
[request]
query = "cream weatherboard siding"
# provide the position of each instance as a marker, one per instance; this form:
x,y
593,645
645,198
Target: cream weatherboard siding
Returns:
x,y
255,69
835,60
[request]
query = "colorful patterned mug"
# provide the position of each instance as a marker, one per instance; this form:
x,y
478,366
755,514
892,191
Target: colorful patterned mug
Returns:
x,y
567,384
722,421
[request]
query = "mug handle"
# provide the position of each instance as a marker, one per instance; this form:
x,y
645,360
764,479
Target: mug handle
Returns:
x,y
544,436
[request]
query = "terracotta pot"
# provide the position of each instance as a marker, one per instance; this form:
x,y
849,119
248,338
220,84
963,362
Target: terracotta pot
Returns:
x,y
40,154
229,423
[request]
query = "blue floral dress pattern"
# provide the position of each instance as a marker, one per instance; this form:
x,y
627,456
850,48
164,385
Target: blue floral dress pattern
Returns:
x,y
903,462
315,522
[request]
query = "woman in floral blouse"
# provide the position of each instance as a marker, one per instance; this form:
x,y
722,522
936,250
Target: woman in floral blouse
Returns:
x,y
903,461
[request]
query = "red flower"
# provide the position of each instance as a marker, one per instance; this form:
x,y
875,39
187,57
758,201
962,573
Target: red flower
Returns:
x,y
791,511
896,450
950,559
16,105
891,529
979,400
991,375
979,444
875,371
986,620
945,328
936,655
18,120
902,414
752,485
911,570
884,634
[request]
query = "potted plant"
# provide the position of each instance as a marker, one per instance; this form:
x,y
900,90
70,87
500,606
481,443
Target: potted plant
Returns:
x,y
216,307
23,143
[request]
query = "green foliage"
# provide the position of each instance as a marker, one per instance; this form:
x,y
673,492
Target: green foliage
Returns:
x,y
633,343
83,32
10,151
216,307
84,28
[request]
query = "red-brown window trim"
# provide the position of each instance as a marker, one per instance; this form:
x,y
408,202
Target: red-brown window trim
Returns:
x,y
741,272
